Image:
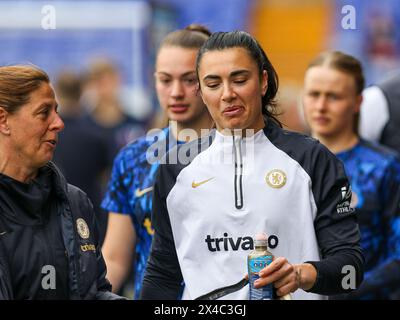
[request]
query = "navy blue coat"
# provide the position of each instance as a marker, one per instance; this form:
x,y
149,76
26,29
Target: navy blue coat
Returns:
x,y
86,266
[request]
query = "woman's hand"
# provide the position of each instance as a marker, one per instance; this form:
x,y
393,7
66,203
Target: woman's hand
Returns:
x,y
287,277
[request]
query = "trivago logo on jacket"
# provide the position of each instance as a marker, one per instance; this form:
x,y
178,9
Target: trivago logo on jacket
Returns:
x,y
227,243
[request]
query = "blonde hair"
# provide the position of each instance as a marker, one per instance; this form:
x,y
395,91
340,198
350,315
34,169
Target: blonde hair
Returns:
x,y
347,64
191,37
17,82
344,63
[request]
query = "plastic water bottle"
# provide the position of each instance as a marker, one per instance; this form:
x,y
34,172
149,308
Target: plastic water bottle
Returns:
x,y
257,260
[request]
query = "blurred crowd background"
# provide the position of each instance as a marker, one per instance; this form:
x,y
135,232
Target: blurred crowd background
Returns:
x,y
110,44
100,56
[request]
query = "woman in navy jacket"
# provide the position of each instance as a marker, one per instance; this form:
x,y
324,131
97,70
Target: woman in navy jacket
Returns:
x,y
48,236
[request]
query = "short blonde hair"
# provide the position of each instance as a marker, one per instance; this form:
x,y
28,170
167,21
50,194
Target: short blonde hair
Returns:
x,y
347,64
342,62
17,82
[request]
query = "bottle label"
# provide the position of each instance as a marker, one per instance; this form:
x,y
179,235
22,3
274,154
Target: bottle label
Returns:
x,y
255,265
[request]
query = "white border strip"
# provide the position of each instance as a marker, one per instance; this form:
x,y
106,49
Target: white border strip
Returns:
x,y
76,15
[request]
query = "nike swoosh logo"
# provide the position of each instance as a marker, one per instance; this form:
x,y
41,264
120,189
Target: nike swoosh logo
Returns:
x,y
3,233
139,193
197,184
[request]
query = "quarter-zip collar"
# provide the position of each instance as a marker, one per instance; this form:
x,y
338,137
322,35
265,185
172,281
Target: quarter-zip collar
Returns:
x,y
227,139
239,147
238,182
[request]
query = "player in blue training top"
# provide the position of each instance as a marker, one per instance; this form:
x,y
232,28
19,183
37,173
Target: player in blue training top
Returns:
x,y
332,98
129,195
